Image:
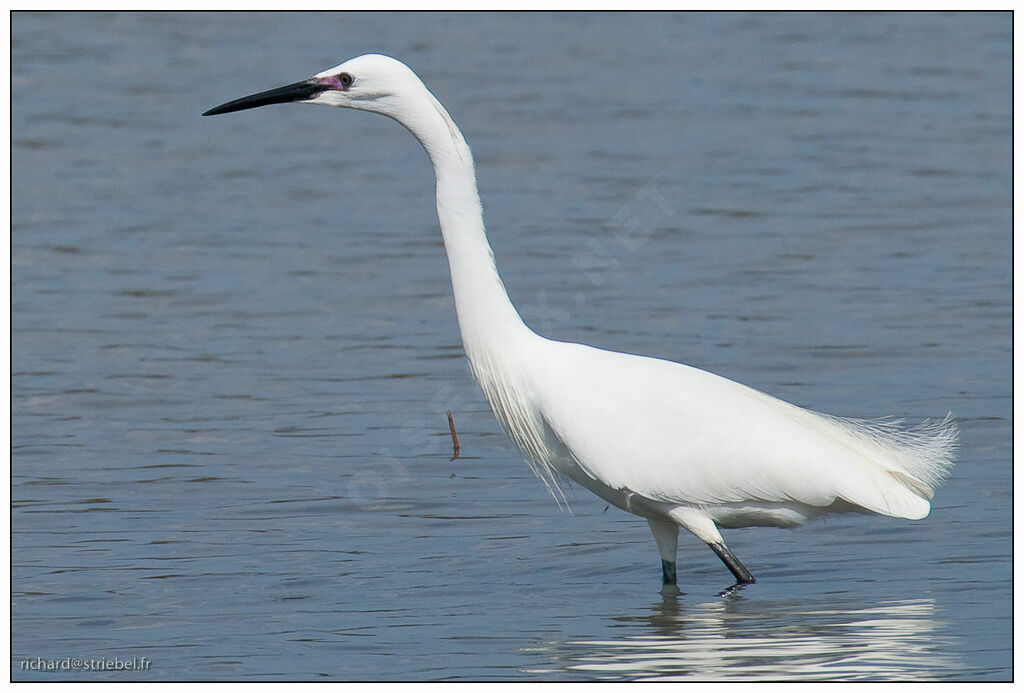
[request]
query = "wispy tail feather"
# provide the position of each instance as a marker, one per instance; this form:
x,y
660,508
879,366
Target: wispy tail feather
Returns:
x,y
920,457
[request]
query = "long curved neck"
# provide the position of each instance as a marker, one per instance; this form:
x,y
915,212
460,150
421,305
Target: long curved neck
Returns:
x,y
486,315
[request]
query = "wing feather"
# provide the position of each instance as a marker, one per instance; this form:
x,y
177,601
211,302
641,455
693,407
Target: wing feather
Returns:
x,y
680,435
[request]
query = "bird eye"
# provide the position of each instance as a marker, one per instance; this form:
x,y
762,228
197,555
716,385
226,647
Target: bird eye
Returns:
x,y
345,79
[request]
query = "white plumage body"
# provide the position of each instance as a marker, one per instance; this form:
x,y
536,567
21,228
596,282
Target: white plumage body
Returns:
x,y
674,444
653,436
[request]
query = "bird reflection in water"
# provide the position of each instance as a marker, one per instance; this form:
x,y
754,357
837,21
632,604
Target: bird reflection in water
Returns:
x,y
737,638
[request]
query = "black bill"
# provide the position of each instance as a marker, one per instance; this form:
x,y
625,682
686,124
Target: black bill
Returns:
x,y
300,91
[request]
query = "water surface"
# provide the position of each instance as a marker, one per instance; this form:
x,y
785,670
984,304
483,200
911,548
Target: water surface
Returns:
x,y
234,342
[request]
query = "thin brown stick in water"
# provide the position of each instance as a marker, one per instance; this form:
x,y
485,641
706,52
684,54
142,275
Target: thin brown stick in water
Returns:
x,y
455,438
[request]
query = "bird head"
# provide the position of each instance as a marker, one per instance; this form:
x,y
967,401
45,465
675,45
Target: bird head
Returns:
x,y
370,83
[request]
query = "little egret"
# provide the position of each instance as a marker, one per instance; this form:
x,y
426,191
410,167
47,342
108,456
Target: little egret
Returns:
x,y
671,443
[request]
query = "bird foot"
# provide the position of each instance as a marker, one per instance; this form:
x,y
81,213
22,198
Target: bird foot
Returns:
x,y
734,589
670,590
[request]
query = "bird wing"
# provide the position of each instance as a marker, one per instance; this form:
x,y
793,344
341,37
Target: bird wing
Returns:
x,y
677,434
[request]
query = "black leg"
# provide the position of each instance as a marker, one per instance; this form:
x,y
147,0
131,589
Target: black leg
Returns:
x,y
668,572
743,576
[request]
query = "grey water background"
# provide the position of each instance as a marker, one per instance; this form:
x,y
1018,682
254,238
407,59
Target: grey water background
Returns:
x,y
234,343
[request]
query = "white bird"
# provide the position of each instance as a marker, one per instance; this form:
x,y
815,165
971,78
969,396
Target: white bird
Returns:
x,y
671,443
